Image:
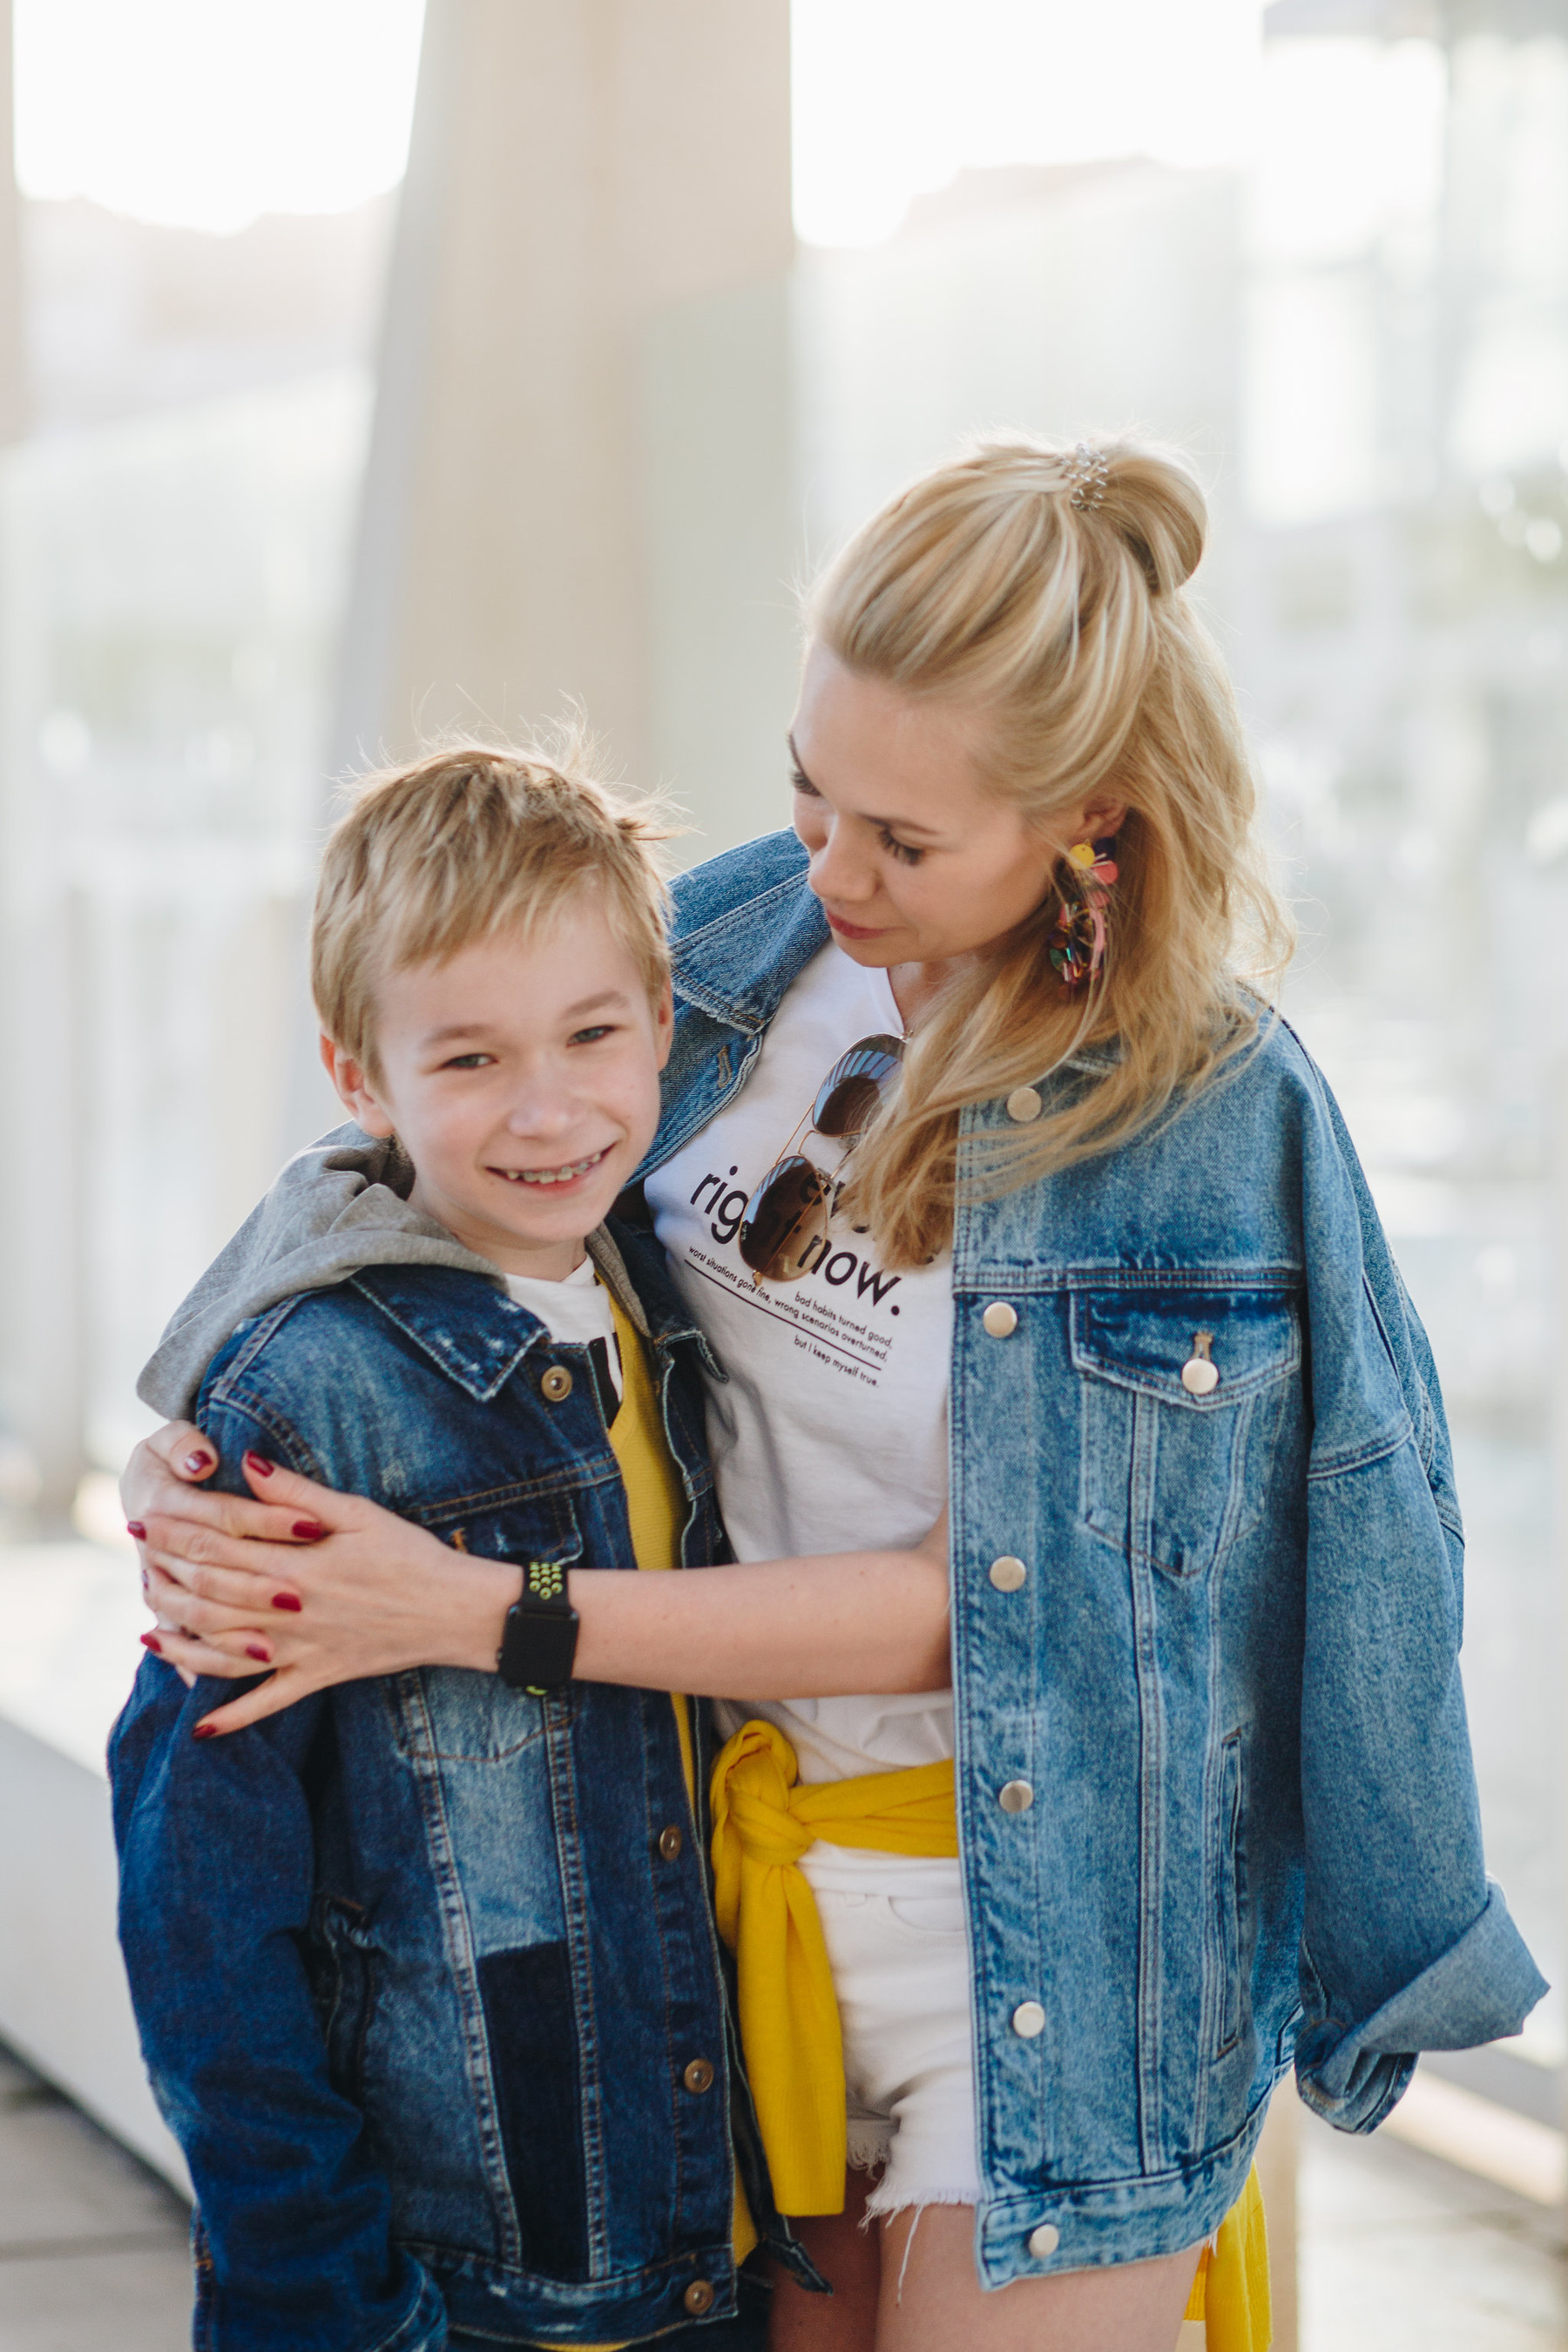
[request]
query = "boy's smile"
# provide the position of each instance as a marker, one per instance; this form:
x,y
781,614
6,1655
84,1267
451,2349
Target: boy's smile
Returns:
x,y
522,1077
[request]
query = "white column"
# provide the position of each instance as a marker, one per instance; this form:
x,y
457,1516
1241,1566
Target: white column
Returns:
x,y
578,167
13,369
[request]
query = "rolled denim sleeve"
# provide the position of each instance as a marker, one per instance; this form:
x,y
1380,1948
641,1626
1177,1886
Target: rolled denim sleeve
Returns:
x,y
216,1856
1407,1946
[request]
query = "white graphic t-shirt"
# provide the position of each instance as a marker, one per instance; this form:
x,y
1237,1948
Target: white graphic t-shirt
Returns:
x,y
830,1433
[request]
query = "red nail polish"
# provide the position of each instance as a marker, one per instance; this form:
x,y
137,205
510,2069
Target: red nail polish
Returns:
x,y
196,1463
288,1601
150,1641
134,1527
309,1530
204,1731
259,1466
263,1657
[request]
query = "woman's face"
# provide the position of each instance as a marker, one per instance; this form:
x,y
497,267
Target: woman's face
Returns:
x,y
913,860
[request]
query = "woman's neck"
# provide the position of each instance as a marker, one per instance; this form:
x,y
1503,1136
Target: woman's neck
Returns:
x,y
917,986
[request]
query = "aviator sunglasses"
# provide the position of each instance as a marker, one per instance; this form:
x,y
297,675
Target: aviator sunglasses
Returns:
x,y
787,1216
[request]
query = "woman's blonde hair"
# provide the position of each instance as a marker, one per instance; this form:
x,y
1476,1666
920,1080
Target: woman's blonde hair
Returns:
x,y
1041,587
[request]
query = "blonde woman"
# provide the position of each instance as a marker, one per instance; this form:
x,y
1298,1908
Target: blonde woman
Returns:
x,y
997,1191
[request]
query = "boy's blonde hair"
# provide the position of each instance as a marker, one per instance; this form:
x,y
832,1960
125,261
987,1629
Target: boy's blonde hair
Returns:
x,y
470,841
1052,607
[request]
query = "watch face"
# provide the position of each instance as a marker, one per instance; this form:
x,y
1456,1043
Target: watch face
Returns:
x,y
539,1645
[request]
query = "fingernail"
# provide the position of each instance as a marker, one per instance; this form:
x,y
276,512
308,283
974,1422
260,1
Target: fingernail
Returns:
x,y
204,1731
309,1530
195,1462
150,1641
258,1465
254,1650
287,1601
134,1527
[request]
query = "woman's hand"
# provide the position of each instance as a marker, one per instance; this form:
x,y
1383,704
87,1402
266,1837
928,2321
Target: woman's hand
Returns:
x,y
324,1588
162,1479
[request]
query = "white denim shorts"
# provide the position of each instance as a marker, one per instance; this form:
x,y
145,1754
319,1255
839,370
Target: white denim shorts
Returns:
x,y
894,1929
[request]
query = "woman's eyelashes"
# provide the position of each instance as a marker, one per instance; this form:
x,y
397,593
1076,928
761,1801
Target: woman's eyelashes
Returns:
x,y
901,850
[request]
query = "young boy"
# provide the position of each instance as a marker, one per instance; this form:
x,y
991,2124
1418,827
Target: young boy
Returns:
x,y
425,1966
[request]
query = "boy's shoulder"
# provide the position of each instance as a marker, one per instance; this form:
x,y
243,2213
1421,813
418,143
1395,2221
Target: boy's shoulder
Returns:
x,y
393,1360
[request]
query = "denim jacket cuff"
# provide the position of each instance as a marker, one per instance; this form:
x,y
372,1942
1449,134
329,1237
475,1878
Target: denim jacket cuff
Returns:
x,y
1482,1986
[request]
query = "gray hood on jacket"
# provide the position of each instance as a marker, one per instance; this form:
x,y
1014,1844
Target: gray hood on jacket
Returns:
x,y
340,1205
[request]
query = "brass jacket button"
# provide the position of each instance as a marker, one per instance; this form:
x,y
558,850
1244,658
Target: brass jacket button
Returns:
x,y
1014,1796
670,1842
1007,1574
1023,1104
555,1383
698,2297
1000,1320
699,2076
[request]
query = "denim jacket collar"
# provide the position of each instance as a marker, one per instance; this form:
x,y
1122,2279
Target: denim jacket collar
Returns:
x,y
738,966
477,1334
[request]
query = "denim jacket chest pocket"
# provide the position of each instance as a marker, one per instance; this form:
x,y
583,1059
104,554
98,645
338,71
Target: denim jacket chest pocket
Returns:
x,y
451,1714
1174,1470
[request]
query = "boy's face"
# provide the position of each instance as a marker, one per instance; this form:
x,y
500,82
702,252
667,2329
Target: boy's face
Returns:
x,y
522,1079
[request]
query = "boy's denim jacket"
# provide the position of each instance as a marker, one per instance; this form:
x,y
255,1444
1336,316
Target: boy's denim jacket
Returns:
x,y
1229,1672
425,1966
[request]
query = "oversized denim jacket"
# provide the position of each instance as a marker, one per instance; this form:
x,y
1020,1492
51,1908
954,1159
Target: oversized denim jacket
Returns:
x,y
423,1964
1230,1671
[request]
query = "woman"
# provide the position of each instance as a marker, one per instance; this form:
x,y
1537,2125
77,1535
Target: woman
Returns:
x,y
994,1187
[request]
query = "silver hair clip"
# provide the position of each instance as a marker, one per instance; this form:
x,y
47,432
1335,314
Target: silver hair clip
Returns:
x,y
1089,471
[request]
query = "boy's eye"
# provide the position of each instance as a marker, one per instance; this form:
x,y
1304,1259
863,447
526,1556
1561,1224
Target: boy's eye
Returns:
x,y
591,1036
468,1062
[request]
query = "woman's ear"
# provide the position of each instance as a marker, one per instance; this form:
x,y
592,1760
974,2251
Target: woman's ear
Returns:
x,y
353,1090
1101,817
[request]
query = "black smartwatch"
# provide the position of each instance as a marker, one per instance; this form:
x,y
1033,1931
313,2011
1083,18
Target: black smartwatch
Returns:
x,y
539,1641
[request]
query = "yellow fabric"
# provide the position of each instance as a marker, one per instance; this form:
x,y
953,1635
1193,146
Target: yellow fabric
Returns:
x,y
1231,2293
763,1821
656,1504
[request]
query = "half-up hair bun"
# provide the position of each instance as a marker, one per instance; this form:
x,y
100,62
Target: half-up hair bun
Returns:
x,y
1152,499
1039,587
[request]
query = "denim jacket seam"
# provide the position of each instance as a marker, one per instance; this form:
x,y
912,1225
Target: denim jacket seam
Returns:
x,y
280,1433
1343,1460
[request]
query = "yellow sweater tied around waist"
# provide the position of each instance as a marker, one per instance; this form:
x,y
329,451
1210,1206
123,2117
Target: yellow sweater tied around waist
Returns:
x,y
764,1818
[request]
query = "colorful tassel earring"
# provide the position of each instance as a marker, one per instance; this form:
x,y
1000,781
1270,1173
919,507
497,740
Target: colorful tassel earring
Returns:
x,y
1078,943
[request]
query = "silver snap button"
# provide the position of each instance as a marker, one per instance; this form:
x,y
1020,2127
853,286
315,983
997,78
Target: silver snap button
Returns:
x,y
1000,1320
1023,1104
1028,2019
1014,1796
1007,1573
1045,2240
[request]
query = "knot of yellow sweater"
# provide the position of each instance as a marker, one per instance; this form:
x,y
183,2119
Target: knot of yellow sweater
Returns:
x,y
763,1821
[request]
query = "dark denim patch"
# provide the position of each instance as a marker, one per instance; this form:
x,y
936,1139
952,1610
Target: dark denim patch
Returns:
x,y
533,2033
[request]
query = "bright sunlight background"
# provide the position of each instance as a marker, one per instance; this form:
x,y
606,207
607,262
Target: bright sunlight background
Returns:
x,y
197,111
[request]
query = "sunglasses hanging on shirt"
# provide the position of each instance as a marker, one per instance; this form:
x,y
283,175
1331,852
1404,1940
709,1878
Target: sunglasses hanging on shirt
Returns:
x,y
787,1216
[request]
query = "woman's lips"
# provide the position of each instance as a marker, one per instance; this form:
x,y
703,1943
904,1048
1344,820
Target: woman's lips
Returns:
x,y
852,930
